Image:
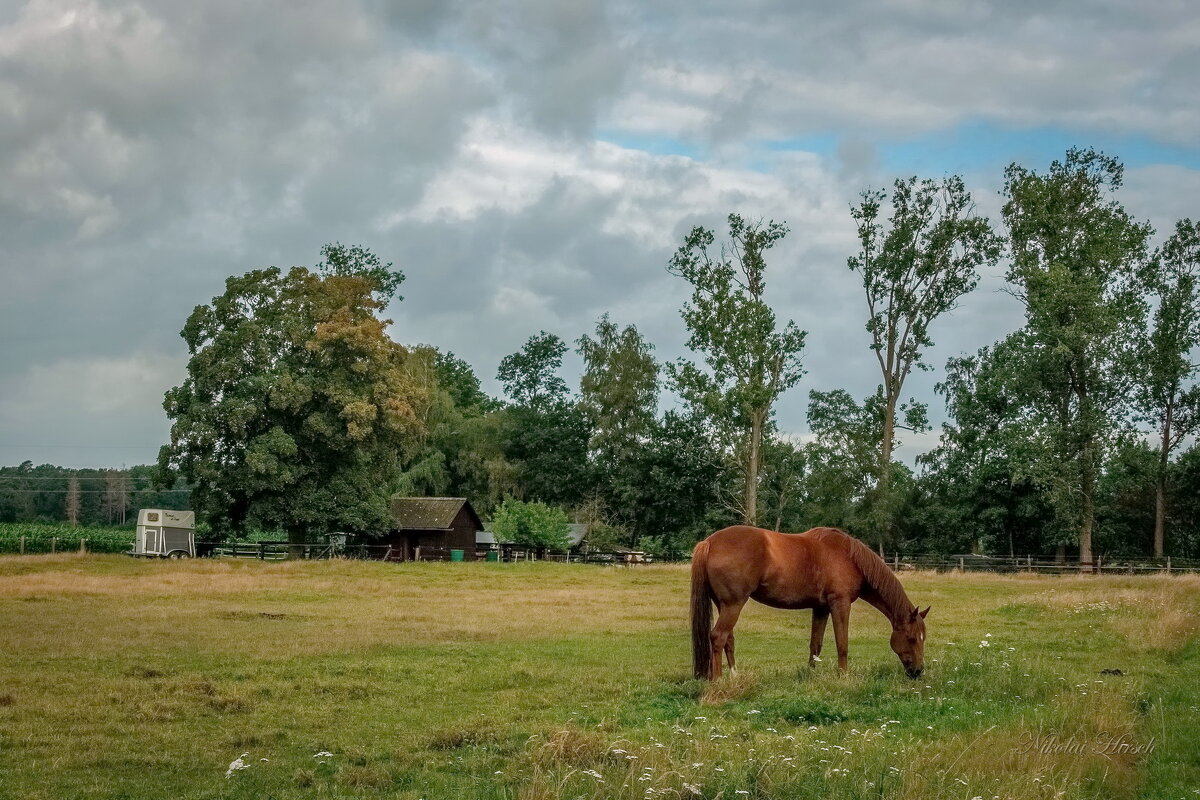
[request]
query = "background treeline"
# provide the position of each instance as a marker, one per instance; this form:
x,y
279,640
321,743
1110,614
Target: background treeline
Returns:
x,y
1074,434
87,497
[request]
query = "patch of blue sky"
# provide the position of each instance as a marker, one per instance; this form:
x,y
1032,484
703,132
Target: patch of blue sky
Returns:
x,y
652,144
976,146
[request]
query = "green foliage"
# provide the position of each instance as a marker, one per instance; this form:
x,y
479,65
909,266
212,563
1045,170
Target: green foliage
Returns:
x,y
296,402
457,379
43,538
618,389
359,262
31,493
750,361
619,396
1076,255
530,376
1165,392
545,434
913,270
532,525
680,480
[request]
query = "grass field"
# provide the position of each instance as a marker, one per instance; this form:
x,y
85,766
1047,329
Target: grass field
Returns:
x,y
122,678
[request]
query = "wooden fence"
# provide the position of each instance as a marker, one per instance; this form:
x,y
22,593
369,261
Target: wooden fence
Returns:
x,y
1049,565
277,551
508,553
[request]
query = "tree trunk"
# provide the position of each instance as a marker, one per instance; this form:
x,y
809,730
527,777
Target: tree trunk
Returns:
x,y
1160,487
883,488
750,513
1088,508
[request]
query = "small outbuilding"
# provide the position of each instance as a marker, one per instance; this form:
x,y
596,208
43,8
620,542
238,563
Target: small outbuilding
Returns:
x,y
432,527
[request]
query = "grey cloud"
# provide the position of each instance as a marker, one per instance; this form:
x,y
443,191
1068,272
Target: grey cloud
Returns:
x,y
151,150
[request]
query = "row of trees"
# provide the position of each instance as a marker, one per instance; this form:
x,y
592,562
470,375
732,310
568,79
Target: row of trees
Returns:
x,y
299,412
48,493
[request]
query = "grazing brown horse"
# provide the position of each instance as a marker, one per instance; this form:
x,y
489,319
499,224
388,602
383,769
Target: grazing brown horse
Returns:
x,y
823,569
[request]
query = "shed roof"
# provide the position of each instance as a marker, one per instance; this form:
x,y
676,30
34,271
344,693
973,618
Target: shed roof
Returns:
x,y
428,513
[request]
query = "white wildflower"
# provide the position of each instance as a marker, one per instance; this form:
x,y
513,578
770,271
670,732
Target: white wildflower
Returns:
x,y
238,763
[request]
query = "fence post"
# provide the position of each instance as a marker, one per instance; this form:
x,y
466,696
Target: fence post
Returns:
x,y
895,562
1029,562
53,544
1168,565
82,545
22,545
1099,565
961,567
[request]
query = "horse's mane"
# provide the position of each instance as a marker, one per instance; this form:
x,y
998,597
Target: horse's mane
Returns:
x,y
875,572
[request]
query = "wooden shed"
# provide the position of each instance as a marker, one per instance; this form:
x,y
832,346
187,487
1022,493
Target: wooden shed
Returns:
x,y
437,525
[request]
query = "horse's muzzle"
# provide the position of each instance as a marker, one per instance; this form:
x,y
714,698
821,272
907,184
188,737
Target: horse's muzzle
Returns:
x,y
913,672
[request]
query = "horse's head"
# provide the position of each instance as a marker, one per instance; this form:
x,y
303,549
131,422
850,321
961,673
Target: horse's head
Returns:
x,y
908,641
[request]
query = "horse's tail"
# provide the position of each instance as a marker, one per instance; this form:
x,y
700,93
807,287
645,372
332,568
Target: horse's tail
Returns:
x,y
701,613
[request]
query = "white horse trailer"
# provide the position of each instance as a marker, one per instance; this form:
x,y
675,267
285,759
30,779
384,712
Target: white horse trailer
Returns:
x,y
164,533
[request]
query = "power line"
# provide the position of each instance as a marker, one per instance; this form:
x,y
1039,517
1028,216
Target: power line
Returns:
x,y
4,476
12,446
91,491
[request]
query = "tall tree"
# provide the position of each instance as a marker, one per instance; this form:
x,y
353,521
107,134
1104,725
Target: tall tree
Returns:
x,y
1075,256
619,387
72,500
546,432
842,460
750,359
530,375
295,405
115,501
985,479
1168,398
619,394
914,268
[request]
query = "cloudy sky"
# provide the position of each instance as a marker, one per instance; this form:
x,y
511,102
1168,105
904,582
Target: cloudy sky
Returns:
x,y
529,164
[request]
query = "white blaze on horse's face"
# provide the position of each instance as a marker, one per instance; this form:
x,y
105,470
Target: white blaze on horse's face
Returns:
x,y
908,642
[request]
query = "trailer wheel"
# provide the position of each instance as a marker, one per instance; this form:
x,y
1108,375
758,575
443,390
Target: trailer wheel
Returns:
x,y
178,554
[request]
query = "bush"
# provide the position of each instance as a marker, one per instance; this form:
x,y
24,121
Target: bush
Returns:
x,y
531,525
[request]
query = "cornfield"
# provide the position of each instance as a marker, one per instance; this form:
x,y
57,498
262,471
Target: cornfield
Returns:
x,y
47,538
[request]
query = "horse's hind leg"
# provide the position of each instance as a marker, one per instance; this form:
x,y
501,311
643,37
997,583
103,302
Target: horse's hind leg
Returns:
x,y
820,617
722,636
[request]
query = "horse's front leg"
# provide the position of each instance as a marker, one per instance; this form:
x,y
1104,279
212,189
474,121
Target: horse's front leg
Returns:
x,y
819,618
839,608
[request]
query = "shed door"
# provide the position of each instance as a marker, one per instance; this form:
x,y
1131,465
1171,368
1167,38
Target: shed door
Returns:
x,y
153,540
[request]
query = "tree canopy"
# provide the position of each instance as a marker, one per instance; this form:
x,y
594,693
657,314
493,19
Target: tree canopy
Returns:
x,y
750,360
296,404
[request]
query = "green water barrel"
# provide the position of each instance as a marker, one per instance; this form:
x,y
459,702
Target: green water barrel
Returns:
x,y
456,555
493,555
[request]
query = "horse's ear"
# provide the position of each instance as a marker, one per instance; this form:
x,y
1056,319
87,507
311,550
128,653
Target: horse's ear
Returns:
x,y
925,612
912,616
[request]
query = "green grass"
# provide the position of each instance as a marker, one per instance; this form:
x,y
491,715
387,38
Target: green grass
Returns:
x,y
122,678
